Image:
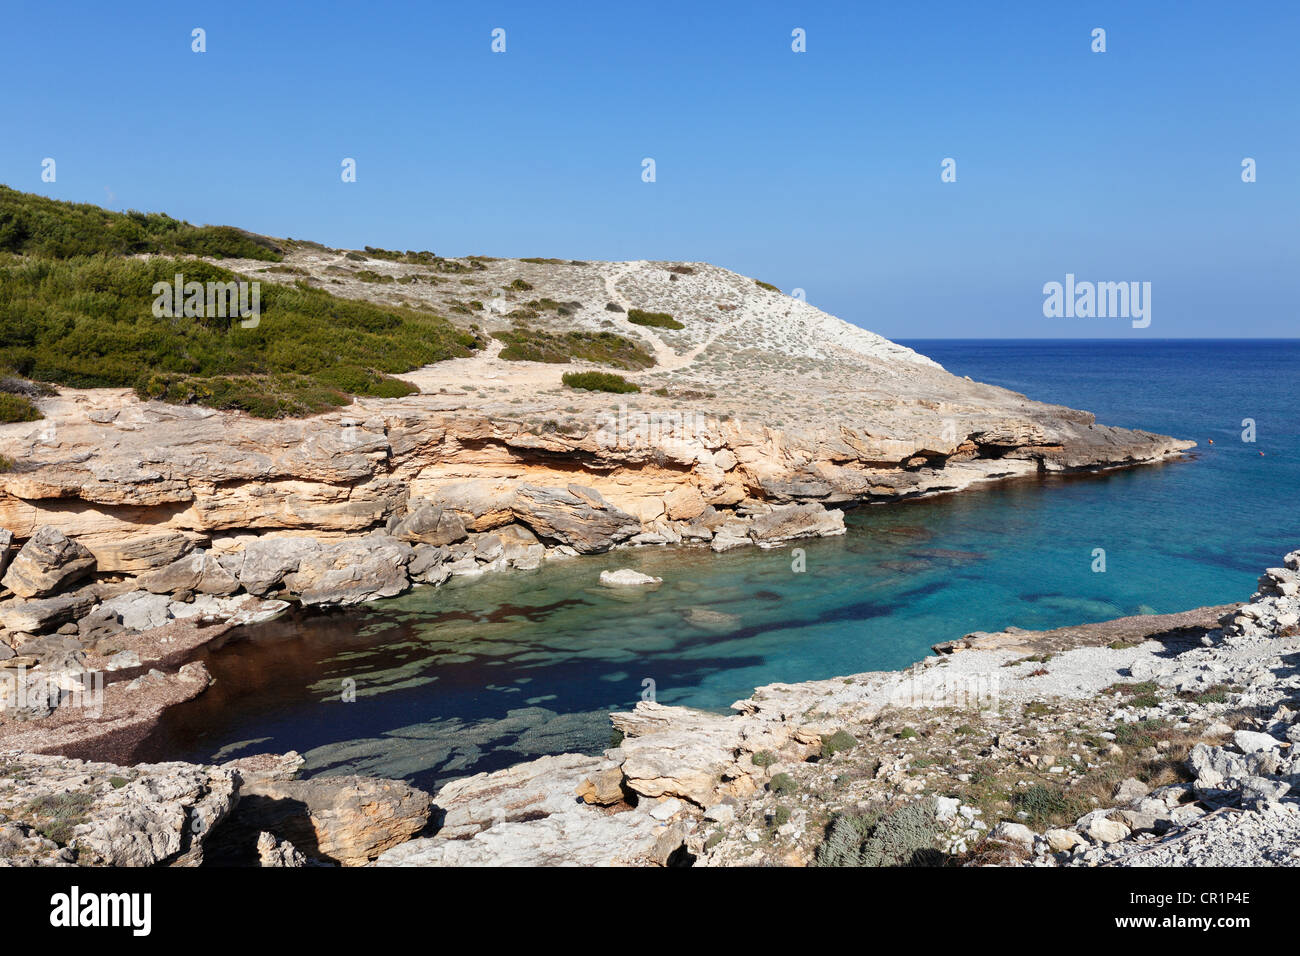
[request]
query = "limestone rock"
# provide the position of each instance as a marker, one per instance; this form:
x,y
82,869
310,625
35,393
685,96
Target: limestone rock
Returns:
x,y
577,516
352,571
527,815
427,523
1014,832
626,577
684,503
136,553
264,563
790,522
603,787
199,571
44,613
1105,830
1062,840
6,542
144,815
47,562
277,853
1129,791
346,820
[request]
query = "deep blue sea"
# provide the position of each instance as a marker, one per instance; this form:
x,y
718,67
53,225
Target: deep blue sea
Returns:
x,y
483,673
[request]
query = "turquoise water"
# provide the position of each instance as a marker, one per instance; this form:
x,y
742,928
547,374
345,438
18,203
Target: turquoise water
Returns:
x,y
485,672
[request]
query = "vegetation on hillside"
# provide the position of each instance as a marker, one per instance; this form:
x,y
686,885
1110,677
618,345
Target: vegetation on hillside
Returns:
x,y
524,343
88,322
658,320
599,382
37,226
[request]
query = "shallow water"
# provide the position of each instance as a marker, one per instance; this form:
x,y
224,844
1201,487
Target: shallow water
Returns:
x,y
482,673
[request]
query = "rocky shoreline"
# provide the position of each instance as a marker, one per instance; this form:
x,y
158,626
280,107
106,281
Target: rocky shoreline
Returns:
x,y
1150,740
135,532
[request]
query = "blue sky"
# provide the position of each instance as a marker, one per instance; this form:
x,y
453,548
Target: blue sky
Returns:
x,y
816,170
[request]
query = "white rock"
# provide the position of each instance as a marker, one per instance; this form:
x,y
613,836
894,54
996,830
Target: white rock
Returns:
x,y
626,577
1106,831
665,809
1015,832
1249,741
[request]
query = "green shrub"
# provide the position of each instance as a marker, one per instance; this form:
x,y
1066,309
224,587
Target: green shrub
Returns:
x,y
764,758
37,226
16,408
840,740
658,320
782,783
766,285
88,322
905,837
519,285
599,382
527,344
1045,805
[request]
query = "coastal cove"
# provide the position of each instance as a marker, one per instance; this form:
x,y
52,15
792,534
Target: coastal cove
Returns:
x,y
485,672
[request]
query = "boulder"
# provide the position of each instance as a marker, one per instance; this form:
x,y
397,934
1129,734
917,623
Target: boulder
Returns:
x,y
199,571
1013,832
1259,792
1216,768
684,503
352,571
1062,840
347,820
140,610
1104,830
626,577
263,564
45,613
1249,741
789,522
603,787
429,564
138,552
47,562
577,516
1130,791
427,523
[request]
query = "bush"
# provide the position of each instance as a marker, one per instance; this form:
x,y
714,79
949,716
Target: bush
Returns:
x,y
1045,805
527,344
766,285
782,783
840,740
88,322
658,320
37,226
16,408
905,837
764,758
599,382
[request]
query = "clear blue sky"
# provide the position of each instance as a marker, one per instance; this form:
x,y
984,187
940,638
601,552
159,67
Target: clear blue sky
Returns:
x,y
817,170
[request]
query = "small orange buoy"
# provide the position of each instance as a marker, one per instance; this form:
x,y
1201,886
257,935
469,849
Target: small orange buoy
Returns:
x,y
1211,441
